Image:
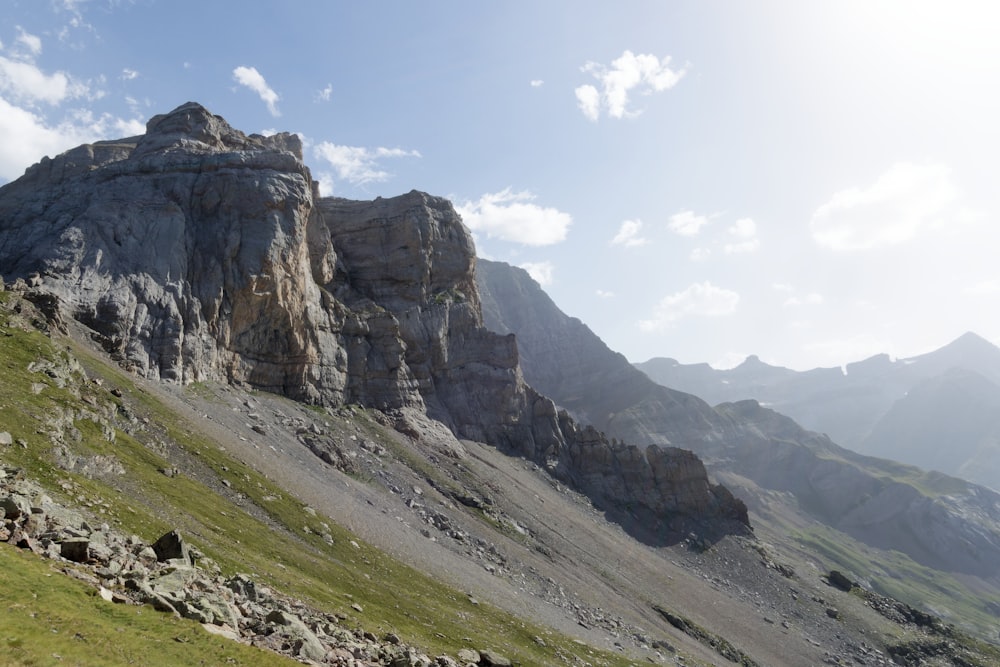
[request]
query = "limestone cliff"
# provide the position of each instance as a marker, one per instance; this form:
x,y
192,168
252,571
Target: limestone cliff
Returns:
x,y
195,251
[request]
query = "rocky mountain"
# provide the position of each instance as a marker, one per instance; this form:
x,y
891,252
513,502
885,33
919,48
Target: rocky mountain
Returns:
x,y
939,521
936,410
193,341
197,252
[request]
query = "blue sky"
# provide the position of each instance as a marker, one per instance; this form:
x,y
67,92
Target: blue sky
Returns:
x,y
811,182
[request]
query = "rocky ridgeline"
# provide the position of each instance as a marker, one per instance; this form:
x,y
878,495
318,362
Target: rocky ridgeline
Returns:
x,y
175,578
197,252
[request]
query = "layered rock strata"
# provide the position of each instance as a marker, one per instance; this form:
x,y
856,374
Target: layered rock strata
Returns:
x,y
195,251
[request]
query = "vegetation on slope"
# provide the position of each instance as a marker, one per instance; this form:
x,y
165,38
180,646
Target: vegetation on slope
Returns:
x,y
232,513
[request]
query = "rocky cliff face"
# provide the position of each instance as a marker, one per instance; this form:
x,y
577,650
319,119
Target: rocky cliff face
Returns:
x,y
195,251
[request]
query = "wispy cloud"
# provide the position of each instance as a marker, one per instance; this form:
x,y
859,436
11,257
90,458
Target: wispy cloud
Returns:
x,y
629,234
687,223
629,72
32,43
536,83
542,272
512,216
325,94
906,201
605,294
743,237
129,74
810,299
699,299
254,80
357,164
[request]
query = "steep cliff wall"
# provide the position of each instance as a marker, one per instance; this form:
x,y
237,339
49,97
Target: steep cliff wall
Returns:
x,y
195,251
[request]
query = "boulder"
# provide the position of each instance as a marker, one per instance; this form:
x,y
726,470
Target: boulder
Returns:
x,y
170,546
75,550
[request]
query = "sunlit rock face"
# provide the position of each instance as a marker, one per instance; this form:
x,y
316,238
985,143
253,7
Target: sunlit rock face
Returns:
x,y
197,252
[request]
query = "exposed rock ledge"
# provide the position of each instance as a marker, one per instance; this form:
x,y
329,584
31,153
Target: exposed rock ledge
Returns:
x,y
196,251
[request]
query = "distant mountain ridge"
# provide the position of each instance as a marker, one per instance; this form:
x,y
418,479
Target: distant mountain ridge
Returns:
x,y
937,410
937,520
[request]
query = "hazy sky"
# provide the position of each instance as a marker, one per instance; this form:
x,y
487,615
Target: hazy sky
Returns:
x,y
811,182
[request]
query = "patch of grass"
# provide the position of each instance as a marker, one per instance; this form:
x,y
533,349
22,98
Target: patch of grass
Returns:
x,y
896,575
47,618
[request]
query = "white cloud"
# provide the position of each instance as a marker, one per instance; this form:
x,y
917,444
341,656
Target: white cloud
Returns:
x,y
38,137
129,74
31,42
324,95
699,299
746,230
252,79
357,164
644,72
629,234
511,216
25,83
605,294
325,180
589,100
542,272
536,83
811,299
686,223
743,247
903,203
700,254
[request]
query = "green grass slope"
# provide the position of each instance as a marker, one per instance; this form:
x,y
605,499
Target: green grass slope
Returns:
x,y
235,515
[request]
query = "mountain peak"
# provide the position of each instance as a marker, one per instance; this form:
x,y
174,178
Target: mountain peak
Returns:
x,y
969,350
194,128
972,342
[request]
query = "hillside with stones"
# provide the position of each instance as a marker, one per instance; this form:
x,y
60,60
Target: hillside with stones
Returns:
x,y
781,469
251,522
281,418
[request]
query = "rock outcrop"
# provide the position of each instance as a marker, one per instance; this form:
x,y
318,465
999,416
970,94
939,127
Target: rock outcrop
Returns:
x,y
177,579
195,251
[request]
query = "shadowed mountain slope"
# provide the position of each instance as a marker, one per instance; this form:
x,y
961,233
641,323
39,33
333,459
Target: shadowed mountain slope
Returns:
x,y
939,521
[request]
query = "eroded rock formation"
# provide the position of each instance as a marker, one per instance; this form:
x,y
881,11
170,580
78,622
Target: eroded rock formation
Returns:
x,y
195,251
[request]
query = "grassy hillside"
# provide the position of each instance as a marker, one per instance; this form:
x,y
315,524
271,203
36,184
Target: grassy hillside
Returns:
x,y
232,513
